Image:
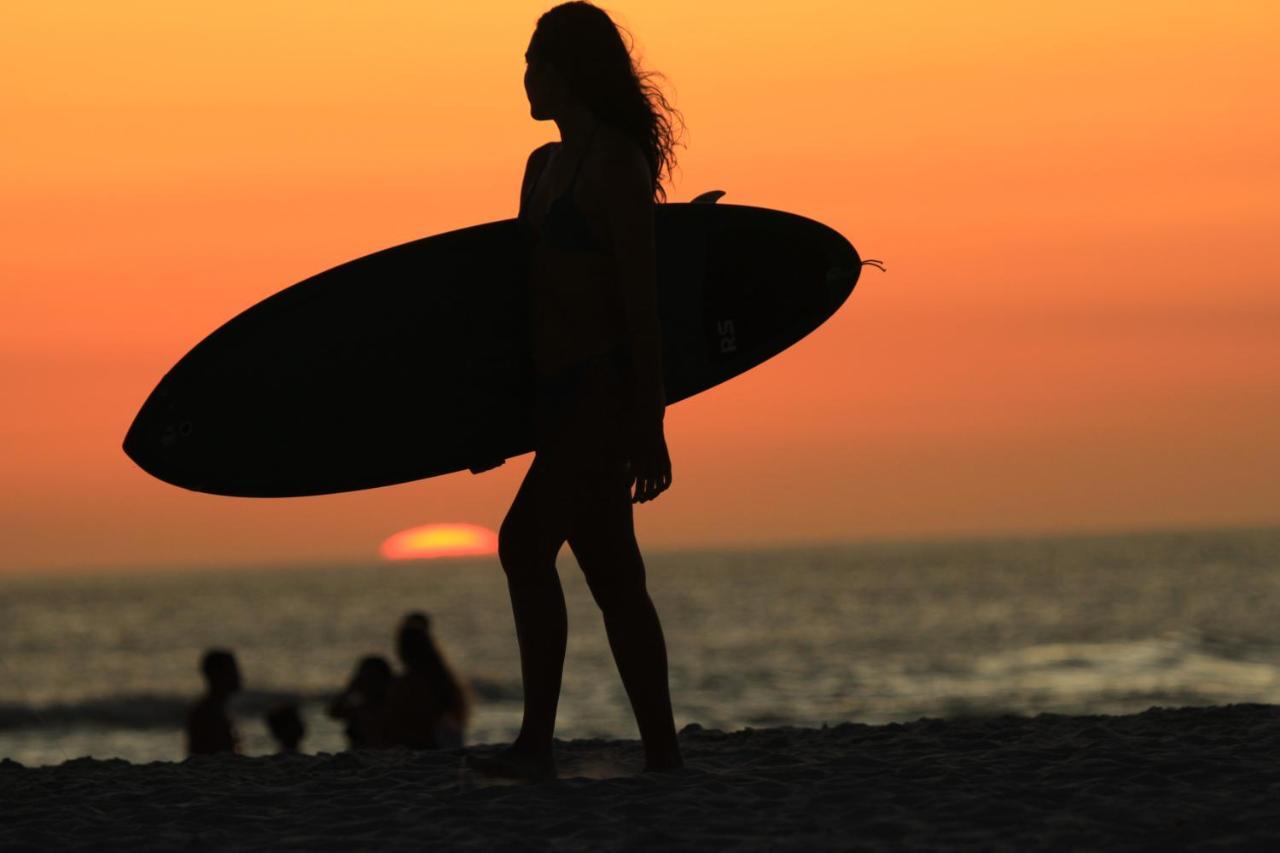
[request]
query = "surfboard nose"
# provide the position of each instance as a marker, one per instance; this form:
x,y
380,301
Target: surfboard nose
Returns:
x,y
158,439
145,441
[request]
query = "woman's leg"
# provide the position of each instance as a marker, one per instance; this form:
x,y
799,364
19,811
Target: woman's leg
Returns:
x,y
528,541
602,536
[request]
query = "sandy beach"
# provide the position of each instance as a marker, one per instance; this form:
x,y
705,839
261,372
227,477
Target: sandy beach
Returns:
x,y
1165,779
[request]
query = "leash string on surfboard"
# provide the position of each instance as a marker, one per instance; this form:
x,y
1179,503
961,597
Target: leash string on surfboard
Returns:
x,y
874,263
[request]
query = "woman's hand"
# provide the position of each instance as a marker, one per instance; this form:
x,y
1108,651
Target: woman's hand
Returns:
x,y
650,461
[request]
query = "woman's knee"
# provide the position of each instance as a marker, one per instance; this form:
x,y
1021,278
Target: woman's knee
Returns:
x,y
619,585
523,553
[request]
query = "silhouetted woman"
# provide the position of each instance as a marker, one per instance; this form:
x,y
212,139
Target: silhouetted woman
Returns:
x,y
427,705
363,704
586,211
209,727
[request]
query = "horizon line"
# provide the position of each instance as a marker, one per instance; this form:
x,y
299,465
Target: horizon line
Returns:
x,y
939,538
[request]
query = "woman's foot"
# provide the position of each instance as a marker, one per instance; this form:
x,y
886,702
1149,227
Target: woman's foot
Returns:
x,y
515,764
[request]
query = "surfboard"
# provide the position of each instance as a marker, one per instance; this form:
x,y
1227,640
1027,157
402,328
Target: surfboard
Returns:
x,y
414,362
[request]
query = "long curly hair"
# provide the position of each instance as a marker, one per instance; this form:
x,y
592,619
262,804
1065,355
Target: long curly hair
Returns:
x,y
593,54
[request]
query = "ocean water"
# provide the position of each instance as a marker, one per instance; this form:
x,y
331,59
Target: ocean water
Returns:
x,y
104,665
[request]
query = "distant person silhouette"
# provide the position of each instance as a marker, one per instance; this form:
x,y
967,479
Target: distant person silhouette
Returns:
x,y
363,704
587,218
209,727
286,726
428,705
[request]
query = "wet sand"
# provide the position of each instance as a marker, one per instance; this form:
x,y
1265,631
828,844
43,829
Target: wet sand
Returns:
x,y
1185,779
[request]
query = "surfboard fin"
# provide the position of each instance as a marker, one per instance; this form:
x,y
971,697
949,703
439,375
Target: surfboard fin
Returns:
x,y
708,197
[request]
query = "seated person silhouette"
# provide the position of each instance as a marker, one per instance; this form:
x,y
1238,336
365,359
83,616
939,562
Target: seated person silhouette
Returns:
x,y
209,728
286,726
428,706
363,704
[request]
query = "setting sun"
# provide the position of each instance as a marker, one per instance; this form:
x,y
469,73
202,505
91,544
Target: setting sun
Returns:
x,y
440,540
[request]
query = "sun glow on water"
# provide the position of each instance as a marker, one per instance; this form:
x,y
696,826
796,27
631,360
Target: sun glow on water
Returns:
x,y
429,541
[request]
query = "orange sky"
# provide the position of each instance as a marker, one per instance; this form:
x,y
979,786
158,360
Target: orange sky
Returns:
x,y
1080,327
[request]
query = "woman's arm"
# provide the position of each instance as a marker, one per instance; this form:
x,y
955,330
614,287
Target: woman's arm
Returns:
x,y
533,168
629,212
628,202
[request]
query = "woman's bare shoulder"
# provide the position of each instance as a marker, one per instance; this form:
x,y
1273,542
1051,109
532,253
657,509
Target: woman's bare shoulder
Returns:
x,y
533,169
538,159
540,154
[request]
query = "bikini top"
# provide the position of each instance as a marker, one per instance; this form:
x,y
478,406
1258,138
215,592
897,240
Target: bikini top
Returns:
x,y
565,227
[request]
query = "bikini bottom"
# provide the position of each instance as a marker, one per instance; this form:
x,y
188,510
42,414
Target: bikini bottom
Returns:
x,y
580,415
